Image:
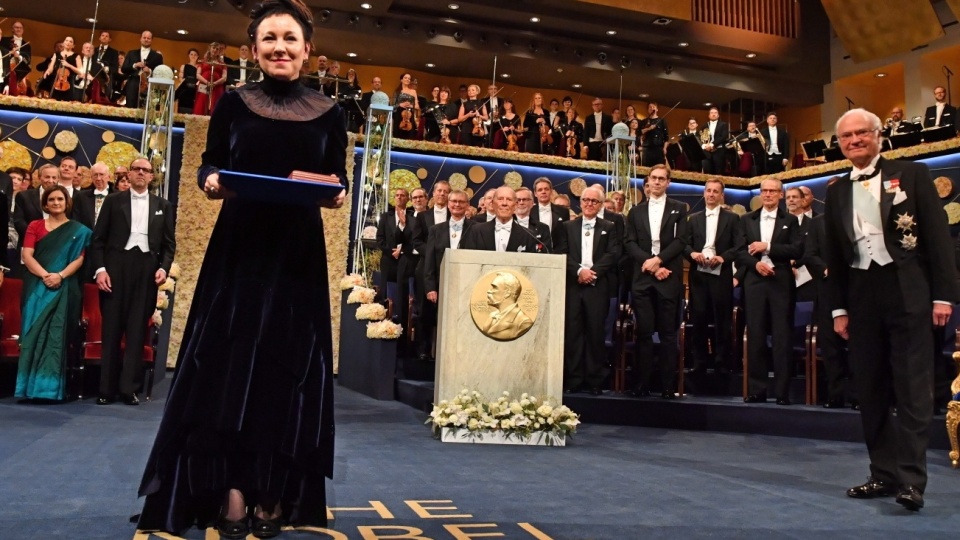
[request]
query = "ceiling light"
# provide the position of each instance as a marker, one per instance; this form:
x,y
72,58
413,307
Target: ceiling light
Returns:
x,y
644,95
458,36
662,21
577,85
366,6
431,64
534,19
611,32
602,57
751,55
182,32
683,44
353,19
91,20
559,70
880,75
453,6
451,21
352,54
504,75
707,104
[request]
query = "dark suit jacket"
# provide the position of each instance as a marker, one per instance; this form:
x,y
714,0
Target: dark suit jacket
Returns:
x,y
785,246
438,241
606,251
639,244
483,237
388,237
23,68
560,215
813,247
904,127
233,71
783,140
84,207
721,134
112,232
926,272
590,126
542,232
948,118
153,60
728,242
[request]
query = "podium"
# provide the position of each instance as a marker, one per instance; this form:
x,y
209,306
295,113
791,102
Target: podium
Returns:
x,y
477,352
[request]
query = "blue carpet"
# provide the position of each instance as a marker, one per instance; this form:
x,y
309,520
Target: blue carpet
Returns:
x,y
71,471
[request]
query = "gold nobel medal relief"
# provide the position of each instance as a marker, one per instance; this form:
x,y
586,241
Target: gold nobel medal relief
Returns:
x,y
504,305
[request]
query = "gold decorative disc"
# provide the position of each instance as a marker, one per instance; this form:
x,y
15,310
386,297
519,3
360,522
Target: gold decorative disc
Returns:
x,y
48,153
422,173
944,186
108,136
738,209
403,178
469,192
953,212
504,304
755,202
38,129
14,154
477,174
457,181
577,185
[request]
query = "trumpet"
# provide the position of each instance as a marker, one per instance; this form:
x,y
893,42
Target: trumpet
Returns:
x,y
705,136
889,122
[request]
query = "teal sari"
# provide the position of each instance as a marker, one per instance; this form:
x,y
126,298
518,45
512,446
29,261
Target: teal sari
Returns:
x,y
49,316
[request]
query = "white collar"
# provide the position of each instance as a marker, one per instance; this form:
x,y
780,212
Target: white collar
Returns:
x,y
808,213
764,213
600,214
542,207
439,210
715,212
491,217
456,222
525,221
591,222
658,200
868,170
508,224
104,192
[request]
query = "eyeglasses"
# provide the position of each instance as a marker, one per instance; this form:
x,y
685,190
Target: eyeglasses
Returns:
x,y
860,133
524,199
144,170
590,201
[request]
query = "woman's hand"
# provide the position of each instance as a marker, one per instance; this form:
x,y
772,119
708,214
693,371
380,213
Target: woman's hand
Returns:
x,y
213,189
335,202
52,281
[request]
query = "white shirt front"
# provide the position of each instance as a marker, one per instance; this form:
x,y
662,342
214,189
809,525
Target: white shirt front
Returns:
x,y
456,232
525,221
774,149
710,242
139,220
243,69
939,113
587,234
546,215
712,126
439,215
598,116
870,245
144,53
768,221
655,211
502,234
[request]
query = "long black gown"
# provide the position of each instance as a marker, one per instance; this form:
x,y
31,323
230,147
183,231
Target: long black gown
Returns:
x,y
251,404
187,91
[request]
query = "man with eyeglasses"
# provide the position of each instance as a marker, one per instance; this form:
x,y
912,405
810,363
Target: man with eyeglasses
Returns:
x,y
442,236
593,248
410,254
892,279
522,216
132,249
771,237
596,128
656,229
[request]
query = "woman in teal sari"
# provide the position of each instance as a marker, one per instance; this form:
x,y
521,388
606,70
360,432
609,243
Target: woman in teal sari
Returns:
x,y
53,254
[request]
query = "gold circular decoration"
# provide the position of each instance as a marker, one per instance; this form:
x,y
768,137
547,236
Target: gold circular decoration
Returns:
x,y
944,186
469,192
37,128
637,195
477,174
755,202
116,154
108,136
457,181
14,154
577,185
403,178
66,141
738,209
422,173
504,305
513,179
48,153
953,212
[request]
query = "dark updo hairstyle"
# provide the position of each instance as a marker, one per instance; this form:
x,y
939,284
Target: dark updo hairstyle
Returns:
x,y
268,8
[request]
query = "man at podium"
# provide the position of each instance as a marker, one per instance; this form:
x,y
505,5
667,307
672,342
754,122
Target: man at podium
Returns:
x,y
502,233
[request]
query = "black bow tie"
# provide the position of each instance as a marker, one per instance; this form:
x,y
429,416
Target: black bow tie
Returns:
x,y
866,176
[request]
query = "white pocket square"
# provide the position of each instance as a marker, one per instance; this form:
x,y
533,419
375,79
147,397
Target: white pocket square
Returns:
x,y
603,233
673,211
785,226
159,213
899,197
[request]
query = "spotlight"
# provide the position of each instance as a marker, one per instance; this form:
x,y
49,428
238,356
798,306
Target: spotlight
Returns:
x,y
353,19
602,57
324,14
458,36
211,3
238,4
647,62
556,49
624,62
431,32
668,69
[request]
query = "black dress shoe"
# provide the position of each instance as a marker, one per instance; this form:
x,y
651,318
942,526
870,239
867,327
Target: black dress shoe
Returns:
x,y
910,498
666,394
132,399
872,489
833,404
783,401
265,528
755,398
855,406
233,530
104,401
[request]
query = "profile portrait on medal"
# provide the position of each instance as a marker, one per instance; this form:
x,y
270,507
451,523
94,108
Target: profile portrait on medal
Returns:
x,y
507,319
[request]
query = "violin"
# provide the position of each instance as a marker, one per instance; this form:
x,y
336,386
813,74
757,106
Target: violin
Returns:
x,y
62,83
405,123
572,146
445,135
478,129
546,135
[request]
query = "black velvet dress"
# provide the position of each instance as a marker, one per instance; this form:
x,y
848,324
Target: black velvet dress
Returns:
x,y
251,404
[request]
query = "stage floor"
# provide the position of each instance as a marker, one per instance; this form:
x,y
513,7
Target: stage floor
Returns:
x,y
71,471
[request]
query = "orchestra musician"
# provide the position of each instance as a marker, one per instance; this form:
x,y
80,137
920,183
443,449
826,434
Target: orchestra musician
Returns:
x,y
493,109
596,128
572,135
538,137
107,59
715,147
896,125
507,128
45,84
941,113
20,55
138,64
472,115
86,73
749,163
778,146
61,70
653,137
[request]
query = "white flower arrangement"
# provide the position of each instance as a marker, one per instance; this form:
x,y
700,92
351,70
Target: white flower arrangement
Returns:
x,y
157,319
163,300
350,281
361,295
66,141
369,233
169,285
384,330
371,312
174,272
513,418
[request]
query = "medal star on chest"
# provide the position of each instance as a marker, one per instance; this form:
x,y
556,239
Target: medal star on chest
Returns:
x,y
905,222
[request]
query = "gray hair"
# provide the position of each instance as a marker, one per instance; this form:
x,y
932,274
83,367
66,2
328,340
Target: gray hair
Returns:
x,y
871,118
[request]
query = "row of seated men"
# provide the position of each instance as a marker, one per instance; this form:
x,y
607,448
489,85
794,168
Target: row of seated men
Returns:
x,y
773,253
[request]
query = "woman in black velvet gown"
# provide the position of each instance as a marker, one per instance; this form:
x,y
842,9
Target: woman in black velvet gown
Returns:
x,y
247,433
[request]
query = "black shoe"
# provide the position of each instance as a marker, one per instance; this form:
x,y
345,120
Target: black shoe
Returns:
x,y
265,528
233,530
833,404
783,401
873,489
855,406
666,394
131,399
640,392
755,398
104,401
910,498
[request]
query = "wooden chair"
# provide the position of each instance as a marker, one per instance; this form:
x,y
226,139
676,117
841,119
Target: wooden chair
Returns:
x,y
90,344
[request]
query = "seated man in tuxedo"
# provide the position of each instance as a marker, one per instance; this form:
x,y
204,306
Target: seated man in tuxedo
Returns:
x,y
524,205
502,233
592,246
941,113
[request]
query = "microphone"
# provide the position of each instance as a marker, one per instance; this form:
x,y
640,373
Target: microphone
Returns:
x,y
535,237
947,71
850,103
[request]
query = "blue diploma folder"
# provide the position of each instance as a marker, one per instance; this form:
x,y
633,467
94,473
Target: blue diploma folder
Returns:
x,y
278,190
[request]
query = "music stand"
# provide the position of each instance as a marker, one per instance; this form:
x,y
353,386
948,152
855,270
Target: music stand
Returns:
x,y
941,133
813,149
691,147
833,154
902,140
753,146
